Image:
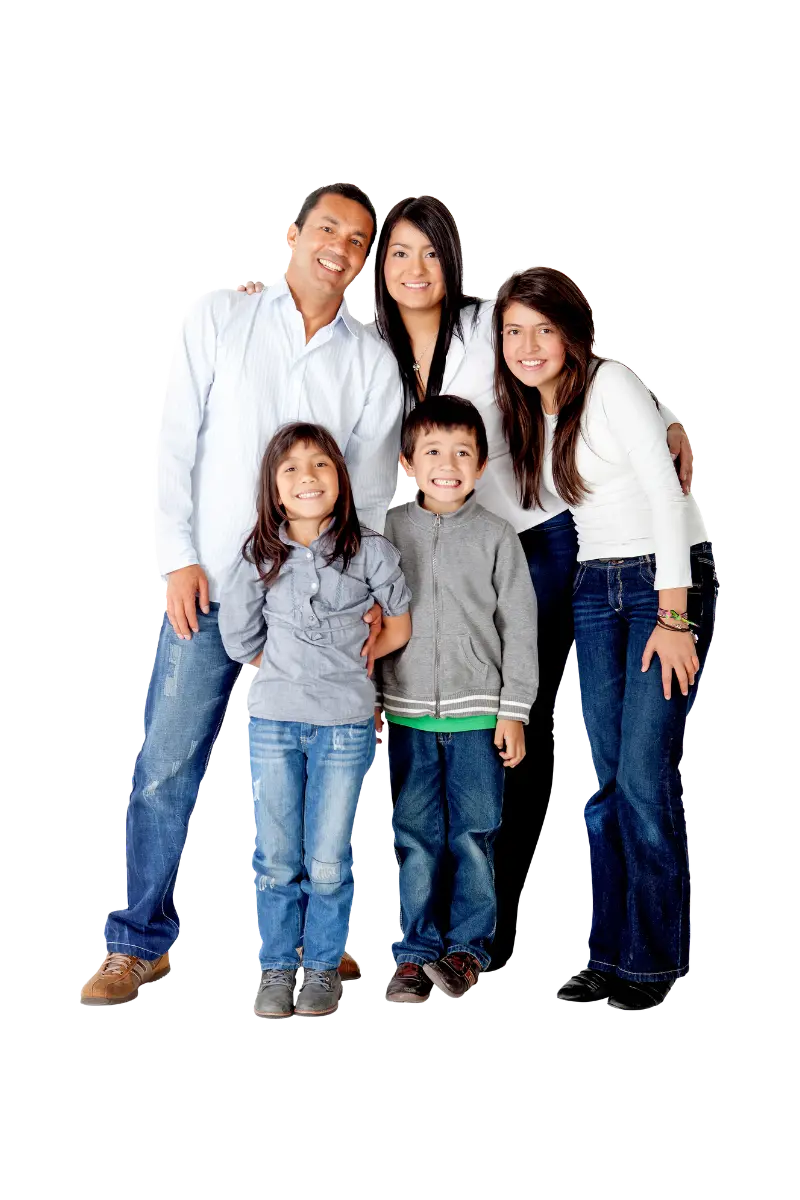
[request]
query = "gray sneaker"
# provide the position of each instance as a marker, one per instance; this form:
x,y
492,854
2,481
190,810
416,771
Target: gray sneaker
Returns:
x,y
275,994
320,993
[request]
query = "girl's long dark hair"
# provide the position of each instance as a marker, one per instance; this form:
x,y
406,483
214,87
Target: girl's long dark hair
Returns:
x,y
565,306
263,546
430,217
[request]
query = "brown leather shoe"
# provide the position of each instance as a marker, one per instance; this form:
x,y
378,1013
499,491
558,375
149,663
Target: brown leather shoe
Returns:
x,y
348,968
455,974
120,978
409,984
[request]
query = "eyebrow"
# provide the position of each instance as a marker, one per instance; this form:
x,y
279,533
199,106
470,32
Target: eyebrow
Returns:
x,y
332,221
405,246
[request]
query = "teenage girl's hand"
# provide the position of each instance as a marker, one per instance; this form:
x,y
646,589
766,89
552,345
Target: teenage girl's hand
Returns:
x,y
510,734
184,587
378,722
680,449
676,652
374,618
250,287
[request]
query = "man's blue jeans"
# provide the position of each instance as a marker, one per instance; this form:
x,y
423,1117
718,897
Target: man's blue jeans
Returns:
x,y
306,782
637,833
189,691
447,790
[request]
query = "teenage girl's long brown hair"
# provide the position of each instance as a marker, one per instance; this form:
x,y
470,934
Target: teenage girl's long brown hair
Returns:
x,y
565,306
263,546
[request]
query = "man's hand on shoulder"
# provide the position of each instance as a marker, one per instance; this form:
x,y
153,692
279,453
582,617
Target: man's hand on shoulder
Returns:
x,y
250,287
185,588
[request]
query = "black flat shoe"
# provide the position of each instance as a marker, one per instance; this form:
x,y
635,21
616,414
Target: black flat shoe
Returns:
x,y
634,996
587,985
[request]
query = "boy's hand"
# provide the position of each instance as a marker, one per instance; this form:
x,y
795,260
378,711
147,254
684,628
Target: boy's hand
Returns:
x,y
184,588
374,618
511,735
378,722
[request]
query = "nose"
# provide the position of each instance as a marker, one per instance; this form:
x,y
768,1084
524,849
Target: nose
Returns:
x,y
530,344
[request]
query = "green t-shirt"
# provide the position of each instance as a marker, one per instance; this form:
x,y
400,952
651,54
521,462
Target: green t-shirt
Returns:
x,y
446,724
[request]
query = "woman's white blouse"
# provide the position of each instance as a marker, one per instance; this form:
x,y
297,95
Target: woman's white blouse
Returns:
x,y
635,504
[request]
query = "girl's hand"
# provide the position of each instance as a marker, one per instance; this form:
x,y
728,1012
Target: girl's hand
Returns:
x,y
250,287
676,652
378,722
510,734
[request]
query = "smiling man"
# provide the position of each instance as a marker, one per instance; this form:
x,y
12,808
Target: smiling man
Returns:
x,y
242,370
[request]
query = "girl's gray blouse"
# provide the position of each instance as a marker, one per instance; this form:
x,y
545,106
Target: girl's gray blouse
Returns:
x,y
309,626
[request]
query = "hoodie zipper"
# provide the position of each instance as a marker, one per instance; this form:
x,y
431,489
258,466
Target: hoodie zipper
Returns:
x,y
436,526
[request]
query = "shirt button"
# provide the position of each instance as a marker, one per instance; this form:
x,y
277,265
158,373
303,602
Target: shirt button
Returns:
x,y
313,587
309,555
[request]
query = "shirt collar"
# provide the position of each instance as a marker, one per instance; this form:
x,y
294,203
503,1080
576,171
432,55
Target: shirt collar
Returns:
x,y
283,534
281,288
423,516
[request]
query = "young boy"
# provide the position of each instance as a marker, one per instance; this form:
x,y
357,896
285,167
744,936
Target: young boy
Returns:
x,y
456,698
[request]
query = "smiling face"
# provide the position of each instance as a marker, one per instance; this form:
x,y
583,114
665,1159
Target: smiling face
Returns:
x,y
533,348
307,483
331,248
412,270
445,466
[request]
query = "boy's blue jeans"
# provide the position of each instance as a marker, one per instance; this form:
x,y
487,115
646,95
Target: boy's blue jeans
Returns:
x,y
189,692
306,782
637,833
447,790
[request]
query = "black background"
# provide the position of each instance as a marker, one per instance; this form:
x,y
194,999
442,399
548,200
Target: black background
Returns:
x,y
651,297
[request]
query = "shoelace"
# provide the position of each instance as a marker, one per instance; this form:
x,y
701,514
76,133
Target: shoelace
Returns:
x,y
323,978
274,975
117,964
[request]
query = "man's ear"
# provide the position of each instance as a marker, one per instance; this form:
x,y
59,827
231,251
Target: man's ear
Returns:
x,y
407,467
291,236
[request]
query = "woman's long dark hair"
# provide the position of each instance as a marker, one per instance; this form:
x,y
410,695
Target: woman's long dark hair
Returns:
x,y
263,546
436,222
563,304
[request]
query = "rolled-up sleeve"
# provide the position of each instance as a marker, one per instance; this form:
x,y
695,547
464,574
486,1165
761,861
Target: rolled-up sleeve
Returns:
x,y
373,447
242,621
384,577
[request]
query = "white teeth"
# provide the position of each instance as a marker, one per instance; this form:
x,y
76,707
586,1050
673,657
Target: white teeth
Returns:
x,y
447,482
416,285
308,495
532,362
332,266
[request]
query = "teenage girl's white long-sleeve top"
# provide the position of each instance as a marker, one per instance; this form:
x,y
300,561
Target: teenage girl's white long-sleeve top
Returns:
x,y
635,504
469,373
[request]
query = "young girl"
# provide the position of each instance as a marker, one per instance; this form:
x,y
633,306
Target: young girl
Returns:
x,y
442,340
643,600
293,606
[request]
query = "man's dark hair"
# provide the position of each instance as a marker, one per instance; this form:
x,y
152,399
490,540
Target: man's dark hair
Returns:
x,y
350,192
444,412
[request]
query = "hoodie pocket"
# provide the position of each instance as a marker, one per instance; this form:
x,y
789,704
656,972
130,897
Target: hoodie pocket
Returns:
x,y
409,672
459,666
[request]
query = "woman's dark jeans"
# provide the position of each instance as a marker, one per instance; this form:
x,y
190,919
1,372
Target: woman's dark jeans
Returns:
x,y
551,550
635,821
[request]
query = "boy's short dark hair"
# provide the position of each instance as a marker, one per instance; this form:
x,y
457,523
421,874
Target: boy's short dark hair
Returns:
x,y
444,412
350,192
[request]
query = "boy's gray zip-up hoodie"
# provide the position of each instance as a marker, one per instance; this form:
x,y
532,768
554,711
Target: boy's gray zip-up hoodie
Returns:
x,y
473,615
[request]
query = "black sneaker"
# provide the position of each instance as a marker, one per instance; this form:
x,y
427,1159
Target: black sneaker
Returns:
x,y
320,993
275,994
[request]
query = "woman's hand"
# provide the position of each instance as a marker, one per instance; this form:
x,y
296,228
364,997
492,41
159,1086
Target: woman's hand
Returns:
x,y
511,735
250,287
679,448
676,652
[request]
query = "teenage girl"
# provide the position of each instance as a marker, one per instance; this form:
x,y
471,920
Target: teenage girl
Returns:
x,y
644,595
